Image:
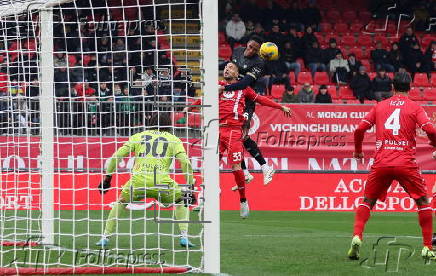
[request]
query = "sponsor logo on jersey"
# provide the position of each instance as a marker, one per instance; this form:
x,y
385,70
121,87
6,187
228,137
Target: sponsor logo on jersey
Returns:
x,y
229,94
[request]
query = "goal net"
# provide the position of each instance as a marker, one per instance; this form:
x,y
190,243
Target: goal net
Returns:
x,y
77,79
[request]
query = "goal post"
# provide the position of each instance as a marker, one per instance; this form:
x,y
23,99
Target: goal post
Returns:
x,y
58,129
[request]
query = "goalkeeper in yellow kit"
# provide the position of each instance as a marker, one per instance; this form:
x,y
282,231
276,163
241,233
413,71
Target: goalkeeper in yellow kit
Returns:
x,y
154,151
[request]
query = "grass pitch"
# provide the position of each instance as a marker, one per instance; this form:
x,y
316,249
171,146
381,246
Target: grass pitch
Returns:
x,y
280,243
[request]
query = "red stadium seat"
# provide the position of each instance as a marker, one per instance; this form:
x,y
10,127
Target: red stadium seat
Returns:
x,y
321,78
346,93
277,91
325,27
390,75
349,15
366,63
364,40
383,39
365,16
433,78
415,94
225,51
333,15
421,80
357,52
335,36
304,77
348,40
221,38
356,27
292,78
332,91
341,28
372,75
426,40
430,93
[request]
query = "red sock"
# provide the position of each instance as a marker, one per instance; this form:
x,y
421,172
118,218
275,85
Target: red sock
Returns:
x,y
240,181
363,213
433,203
425,217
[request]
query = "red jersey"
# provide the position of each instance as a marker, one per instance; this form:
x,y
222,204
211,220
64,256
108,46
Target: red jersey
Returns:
x,y
396,120
232,105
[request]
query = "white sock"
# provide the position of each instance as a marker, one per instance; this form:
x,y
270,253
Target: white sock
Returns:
x,y
246,172
184,234
264,167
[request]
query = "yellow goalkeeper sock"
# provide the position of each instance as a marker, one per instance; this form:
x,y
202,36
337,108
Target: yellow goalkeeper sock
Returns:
x,y
117,210
182,213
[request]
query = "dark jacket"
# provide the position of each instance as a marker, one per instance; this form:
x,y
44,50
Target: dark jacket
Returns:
x,y
395,58
362,86
380,56
289,55
382,84
329,54
354,67
307,40
320,98
314,55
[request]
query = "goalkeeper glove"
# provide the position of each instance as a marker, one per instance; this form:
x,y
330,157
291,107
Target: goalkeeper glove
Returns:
x,y
105,184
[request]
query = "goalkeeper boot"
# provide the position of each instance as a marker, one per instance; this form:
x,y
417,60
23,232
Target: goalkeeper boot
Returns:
x,y
354,253
428,254
184,242
248,178
268,173
103,242
245,210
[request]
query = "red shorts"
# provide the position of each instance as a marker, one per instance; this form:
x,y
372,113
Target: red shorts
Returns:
x,y
379,180
231,141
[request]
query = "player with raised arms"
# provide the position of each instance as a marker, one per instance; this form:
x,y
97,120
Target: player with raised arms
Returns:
x,y
231,120
395,120
251,69
154,151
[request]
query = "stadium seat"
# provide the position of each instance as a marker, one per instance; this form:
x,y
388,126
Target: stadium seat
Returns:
x,y
325,27
421,80
365,16
365,40
304,77
346,93
348,40
383,39
333,15
415,94
277,91
367,64
430,93
321,78
433,79
221,38
365,54
341,28
225,51
332,91
292,78
349,15
390,75
356,27
426,40
357,52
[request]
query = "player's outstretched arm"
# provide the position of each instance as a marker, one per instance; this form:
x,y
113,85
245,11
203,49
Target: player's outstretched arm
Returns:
x,y
267,102
426,125
112,166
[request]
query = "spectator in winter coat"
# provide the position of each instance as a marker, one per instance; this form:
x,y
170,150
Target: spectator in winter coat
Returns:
x,y
380,57
395,57
382,85
289,56
330,52
415,59
323,95
289,96
314,59
353,64
306,94
235,30
362,86
407,40
339,68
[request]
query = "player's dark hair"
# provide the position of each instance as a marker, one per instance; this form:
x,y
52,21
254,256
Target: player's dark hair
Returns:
x,y
256,39
161,121
402,82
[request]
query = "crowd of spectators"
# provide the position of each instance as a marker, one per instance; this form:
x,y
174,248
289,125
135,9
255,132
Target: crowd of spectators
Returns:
x,y
295,30
104,74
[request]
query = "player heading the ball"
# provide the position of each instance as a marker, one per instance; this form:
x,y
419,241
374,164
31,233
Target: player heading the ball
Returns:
x,y
154,150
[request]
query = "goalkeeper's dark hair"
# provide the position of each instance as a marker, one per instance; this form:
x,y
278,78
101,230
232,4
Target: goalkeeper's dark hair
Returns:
x,y
160,121
402,82
257,39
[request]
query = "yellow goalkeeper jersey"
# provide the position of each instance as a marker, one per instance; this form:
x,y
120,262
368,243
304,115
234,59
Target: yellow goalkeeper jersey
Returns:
x,y
154,152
